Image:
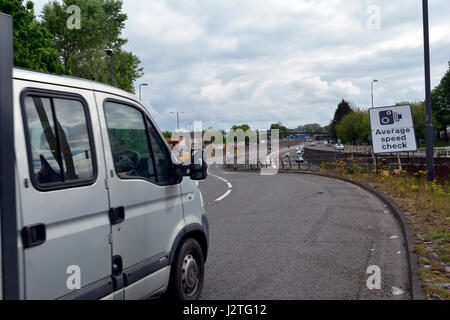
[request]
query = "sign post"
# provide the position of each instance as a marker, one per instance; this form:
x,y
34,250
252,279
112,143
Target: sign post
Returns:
x,y
392,129
8,221
428,110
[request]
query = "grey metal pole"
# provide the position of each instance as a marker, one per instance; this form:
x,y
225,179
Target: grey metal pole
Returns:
x,y
429,120
111,68
140,86
372,93
111,56
373,81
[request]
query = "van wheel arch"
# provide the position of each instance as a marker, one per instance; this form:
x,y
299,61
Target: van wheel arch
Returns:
x,y
194,231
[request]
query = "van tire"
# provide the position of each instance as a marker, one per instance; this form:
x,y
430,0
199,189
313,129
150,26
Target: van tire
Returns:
x,y
187,272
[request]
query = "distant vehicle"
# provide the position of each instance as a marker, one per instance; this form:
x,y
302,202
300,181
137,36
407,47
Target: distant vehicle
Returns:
x,y
299,159
339,146
300,151
313,144
325,142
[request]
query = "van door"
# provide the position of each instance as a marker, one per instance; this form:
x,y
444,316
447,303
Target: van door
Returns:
x,y
63,198
146,208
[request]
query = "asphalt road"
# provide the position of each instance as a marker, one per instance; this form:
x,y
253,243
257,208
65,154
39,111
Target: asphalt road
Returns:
x,y
294,236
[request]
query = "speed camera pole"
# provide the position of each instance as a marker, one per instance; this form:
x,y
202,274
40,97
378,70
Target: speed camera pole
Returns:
x,y
429,121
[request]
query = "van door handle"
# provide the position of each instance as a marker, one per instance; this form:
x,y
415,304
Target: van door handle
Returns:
x,y
117,215
34,235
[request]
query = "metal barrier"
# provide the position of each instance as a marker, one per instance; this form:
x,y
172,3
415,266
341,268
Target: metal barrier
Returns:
x,y
352,162
443,152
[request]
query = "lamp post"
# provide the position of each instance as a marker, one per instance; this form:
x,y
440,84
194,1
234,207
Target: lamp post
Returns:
x,y
372,90
140,95
178,118
429,119
110,51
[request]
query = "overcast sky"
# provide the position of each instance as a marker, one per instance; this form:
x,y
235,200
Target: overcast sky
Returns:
x,y
228,62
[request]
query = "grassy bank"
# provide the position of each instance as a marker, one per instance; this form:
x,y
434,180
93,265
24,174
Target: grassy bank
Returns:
x,y
427,208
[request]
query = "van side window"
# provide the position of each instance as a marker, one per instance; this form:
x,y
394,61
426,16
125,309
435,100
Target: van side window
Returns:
x,y
162,156
61,149
129,142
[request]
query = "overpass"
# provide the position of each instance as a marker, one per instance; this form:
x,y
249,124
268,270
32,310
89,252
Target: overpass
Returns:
x,y
303,134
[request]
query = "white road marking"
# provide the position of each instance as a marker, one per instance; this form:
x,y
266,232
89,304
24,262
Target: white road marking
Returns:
x,y
224,196
229,185
397,291
394,237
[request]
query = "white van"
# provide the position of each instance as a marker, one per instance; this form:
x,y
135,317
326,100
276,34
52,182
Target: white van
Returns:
x,y
103,209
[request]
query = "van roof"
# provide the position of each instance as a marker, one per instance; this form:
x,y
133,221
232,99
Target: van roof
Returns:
x,y
69,81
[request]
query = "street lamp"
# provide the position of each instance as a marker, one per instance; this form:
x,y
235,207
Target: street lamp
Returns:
x,y
178,118
187,124
372,90
140,95
110,51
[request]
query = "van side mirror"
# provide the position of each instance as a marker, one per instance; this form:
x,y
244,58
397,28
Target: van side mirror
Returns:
x,y
198,169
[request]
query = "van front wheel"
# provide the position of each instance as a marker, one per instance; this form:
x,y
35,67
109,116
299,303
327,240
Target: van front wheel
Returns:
x,y
187,272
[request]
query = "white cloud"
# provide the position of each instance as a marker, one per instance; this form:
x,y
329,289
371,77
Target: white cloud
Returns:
x,y
263,61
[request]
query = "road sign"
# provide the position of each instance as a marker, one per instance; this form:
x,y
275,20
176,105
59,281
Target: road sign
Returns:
x,y
392,129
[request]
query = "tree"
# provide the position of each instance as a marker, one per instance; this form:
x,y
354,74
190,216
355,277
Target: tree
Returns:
x,y
33,43
418,114
354,127
246,129
243,127
167,134
342,110
282,129
314,127
82,51
440,101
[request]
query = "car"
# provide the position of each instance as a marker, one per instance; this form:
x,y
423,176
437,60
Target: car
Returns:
x,y
325,142
313,144
104,211
299,159
300,151
339,146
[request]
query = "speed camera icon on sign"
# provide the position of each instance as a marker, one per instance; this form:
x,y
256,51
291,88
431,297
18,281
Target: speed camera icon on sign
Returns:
x,y
389,117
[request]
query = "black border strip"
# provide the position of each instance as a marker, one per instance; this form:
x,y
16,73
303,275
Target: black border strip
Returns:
x,y
10,264
51,94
